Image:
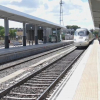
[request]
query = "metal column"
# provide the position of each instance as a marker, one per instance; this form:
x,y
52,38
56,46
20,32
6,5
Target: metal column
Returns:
x,y
24,35
36,37
6,24
60,34
44,35
56,35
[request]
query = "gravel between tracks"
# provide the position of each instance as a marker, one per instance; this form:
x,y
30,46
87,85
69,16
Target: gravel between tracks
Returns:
x,y
53,70
8,71
15,68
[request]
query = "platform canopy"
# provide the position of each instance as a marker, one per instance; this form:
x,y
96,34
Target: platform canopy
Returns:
x,y
22,17
95,11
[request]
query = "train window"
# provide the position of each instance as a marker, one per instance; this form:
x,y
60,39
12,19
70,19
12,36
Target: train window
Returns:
x,y
87,33
81,33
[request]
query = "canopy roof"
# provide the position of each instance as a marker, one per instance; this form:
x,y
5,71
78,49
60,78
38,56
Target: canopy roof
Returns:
x,y
22,17
95,11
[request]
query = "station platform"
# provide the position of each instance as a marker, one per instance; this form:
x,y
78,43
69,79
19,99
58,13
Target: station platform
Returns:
x,y
15,53
84,84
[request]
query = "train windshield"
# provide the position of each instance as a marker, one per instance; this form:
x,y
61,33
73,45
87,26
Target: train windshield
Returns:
x,y
80,33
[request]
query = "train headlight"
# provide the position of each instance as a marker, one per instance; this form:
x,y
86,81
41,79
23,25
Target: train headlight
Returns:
x,y
86,39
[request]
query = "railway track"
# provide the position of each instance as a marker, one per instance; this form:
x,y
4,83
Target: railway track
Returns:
x,y
13,67
37,85
27,59
12,75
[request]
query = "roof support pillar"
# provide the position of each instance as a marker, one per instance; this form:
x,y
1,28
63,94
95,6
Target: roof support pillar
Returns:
x,y
36,35
56,36
60,34
24,34
44,35
6,24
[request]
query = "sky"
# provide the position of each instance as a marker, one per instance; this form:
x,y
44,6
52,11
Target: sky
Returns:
x,y
75,12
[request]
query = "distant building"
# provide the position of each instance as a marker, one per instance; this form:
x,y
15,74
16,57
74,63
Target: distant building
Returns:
x,y
19,31
69,34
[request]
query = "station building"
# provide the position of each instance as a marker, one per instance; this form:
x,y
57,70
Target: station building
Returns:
x,y
30,33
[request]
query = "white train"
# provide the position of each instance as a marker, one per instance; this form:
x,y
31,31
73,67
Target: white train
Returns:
x,y
82,37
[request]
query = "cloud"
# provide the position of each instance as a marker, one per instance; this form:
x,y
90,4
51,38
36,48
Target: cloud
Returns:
x,y
75,12
9,1
28,3
46,6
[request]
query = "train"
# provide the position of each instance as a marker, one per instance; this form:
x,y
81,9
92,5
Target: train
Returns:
x,y
83,37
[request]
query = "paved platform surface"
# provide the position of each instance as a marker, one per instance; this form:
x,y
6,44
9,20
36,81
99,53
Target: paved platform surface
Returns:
x,y
88,85
11,54
21,48
84,84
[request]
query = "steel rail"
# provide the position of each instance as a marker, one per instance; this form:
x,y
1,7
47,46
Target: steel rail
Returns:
x,y
44,94
4,92
36,56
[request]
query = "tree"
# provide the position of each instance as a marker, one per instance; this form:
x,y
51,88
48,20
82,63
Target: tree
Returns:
x,y
1,27
96,33
72,27
63,36
92,30
2,31
12,32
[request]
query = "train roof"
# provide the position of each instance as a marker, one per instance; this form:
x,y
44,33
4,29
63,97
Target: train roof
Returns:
x,y
81,29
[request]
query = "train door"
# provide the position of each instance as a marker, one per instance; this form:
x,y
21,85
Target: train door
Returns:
x,y
30,37
40,35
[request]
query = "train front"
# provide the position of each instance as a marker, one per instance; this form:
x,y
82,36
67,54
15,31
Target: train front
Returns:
x,y
81,38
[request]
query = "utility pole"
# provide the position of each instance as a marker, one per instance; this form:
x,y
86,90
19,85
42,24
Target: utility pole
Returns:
x,y
61,12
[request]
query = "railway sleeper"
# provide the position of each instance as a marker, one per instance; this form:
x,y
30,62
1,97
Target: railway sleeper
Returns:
x,y
36,84
40,82
16,98
33,87
44,75
43,79
27,90
22,95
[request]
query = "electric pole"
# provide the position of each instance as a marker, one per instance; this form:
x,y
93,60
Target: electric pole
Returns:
x,y
61,12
